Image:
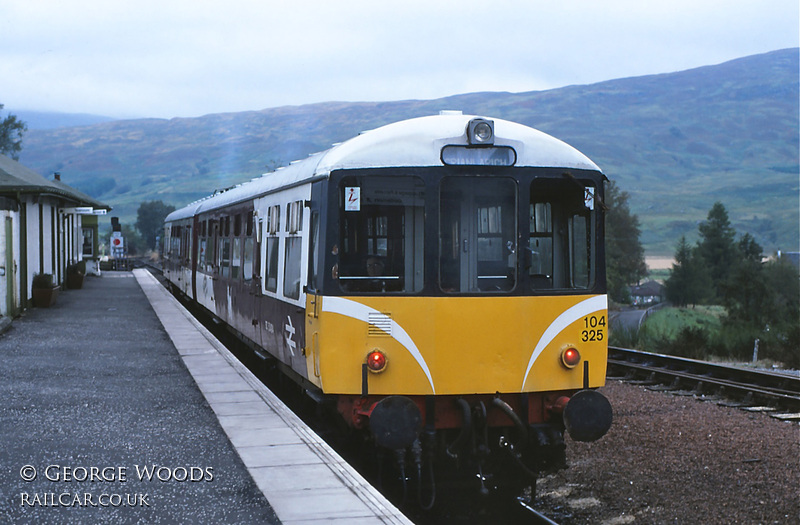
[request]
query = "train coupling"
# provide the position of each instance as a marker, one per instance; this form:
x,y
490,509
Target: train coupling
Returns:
x,y
587,416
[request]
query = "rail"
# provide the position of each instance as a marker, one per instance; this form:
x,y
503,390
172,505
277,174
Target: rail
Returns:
x,y
778,391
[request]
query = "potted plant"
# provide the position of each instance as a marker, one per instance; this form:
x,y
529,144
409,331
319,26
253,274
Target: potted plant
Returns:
x,y
44,290
75,273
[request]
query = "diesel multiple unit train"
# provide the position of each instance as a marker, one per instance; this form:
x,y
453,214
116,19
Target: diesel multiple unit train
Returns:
x,y
439,281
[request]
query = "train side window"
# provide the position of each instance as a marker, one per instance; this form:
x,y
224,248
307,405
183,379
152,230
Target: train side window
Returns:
x,y
291,274
272,264
201,253
293,253
225,256
213,231
236,257
271,247
247,266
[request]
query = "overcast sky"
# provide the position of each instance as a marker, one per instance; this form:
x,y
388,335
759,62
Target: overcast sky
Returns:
x,y
185,58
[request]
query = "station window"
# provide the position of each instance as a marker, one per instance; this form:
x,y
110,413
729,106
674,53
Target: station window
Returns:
x,y
87,249
382,232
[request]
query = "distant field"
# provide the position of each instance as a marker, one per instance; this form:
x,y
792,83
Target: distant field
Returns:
x,y
659,262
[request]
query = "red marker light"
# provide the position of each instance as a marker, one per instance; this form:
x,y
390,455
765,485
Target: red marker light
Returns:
x,y
570,357
376,361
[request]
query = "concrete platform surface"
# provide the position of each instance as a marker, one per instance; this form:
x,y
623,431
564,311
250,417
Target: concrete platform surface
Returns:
x,y
100,422
304,479
103,421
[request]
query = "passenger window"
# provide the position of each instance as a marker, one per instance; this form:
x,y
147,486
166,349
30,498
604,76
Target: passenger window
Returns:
x,y
271,247
291,274
272,264
225,257
236,257
247,267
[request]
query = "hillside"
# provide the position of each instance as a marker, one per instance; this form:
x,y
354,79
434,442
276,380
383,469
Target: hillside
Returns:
x,y
676,142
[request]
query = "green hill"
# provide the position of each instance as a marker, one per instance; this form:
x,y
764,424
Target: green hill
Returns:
x,y
676,142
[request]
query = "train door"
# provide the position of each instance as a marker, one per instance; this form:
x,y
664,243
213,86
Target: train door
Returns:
x,y
313,288
195,236
478,234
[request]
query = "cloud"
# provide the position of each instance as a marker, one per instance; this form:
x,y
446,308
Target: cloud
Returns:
x,y
185,58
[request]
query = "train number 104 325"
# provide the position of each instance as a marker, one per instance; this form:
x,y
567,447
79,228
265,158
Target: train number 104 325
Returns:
x,y
594,328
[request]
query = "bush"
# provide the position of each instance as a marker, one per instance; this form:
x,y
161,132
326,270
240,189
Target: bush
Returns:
x,y
43,280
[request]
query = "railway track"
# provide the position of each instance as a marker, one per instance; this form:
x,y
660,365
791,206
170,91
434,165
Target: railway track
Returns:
x,y
775,392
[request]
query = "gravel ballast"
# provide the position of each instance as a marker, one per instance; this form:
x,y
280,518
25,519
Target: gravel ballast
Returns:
x,y
678,459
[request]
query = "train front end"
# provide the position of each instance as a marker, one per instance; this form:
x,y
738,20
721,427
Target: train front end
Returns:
x,y
456,305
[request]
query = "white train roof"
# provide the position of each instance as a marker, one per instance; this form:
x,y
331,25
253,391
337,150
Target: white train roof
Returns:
x,y
415,142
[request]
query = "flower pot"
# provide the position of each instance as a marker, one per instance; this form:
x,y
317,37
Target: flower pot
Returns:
x,y
74,281
45,297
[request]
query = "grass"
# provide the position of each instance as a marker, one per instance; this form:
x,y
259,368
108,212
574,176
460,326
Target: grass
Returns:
x,y
668,324
702,332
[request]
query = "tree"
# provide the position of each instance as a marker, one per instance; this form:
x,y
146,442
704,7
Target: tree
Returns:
x,y
150,220
717,247
11,131
747,298
689,281
624,252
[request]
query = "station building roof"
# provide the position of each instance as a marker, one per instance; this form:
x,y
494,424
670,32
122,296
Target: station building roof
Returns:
x,y
18,179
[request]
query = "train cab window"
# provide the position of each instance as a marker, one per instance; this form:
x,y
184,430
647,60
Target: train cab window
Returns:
x,y
381,234
478,235
561,246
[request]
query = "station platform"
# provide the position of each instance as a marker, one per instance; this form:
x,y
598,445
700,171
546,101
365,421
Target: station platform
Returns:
x,y
117,406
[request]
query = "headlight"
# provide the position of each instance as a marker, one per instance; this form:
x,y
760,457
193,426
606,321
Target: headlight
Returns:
x,y
480,131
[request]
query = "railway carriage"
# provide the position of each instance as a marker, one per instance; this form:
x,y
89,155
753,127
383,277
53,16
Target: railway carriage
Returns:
x,y
439,280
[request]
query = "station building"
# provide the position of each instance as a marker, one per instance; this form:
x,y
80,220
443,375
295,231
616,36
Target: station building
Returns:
x,y
45,226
